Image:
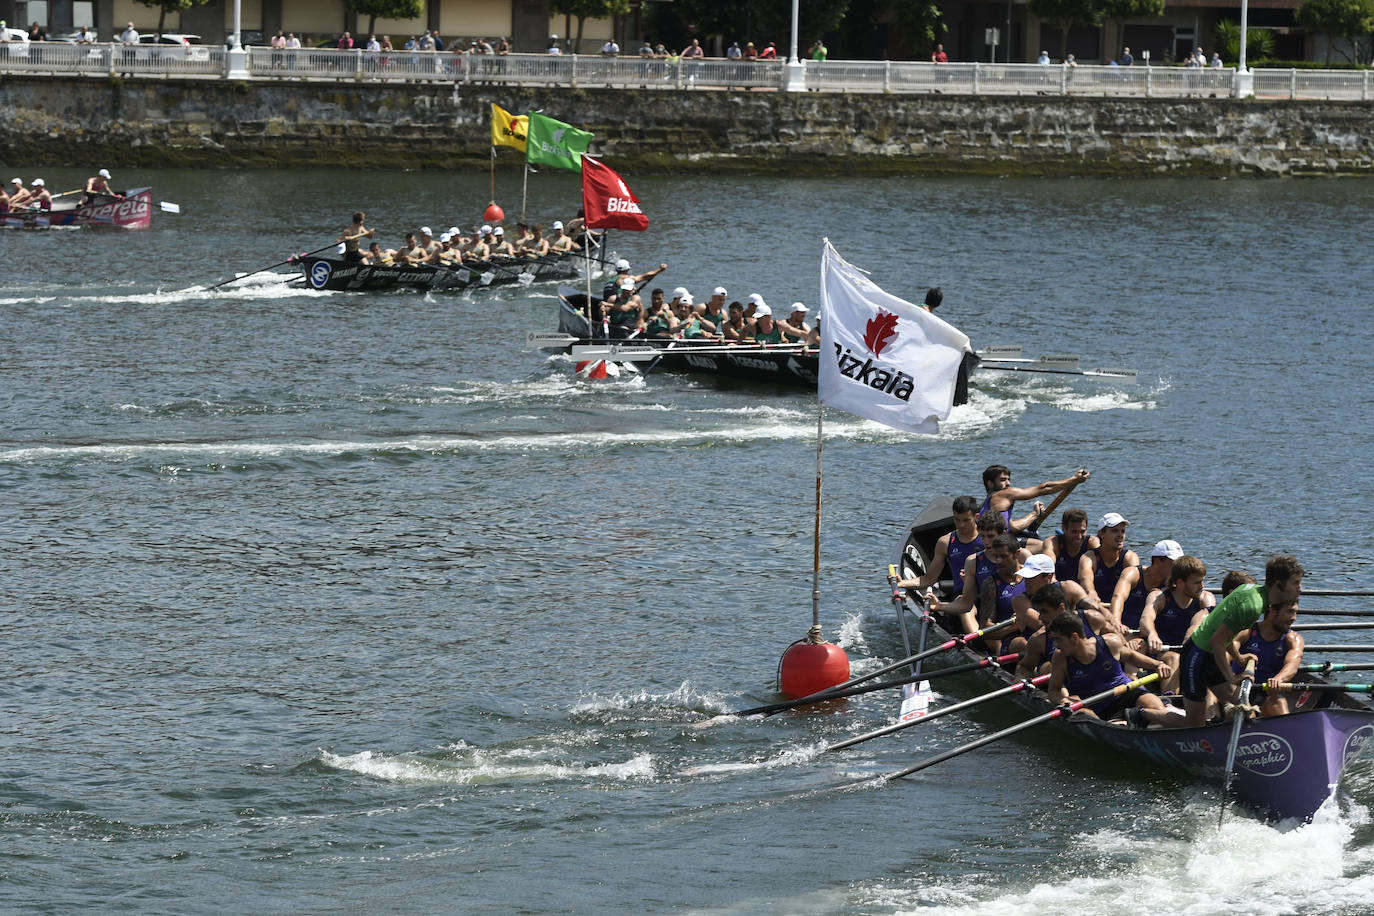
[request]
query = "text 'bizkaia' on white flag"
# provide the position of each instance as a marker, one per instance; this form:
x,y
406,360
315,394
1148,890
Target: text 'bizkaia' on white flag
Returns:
x,y
884,358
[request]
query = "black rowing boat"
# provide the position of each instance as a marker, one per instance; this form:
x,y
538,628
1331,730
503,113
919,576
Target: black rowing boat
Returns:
x,y
334,273
1286,766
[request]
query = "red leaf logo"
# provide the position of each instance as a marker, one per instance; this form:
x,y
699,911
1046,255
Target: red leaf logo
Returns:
x,y
882,330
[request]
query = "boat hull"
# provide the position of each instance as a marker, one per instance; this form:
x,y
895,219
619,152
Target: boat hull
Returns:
x,y
133,211
331,273
1286,766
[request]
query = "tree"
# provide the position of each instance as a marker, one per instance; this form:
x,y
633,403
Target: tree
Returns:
x,y
385,9
582,10
1348,19
1118,11
759,21
169,6
1259,43
1065,14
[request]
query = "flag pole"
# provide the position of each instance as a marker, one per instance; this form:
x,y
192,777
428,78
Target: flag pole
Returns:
x,y
524,191
493,174
816,540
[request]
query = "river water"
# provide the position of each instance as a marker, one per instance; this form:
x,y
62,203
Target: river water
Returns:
x,y
324,601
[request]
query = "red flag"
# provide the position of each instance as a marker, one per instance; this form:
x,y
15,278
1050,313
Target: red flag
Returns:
x,y
609,204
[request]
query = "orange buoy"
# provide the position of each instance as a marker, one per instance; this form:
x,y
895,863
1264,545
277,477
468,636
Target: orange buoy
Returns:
x,y
494,214
808,667
592,368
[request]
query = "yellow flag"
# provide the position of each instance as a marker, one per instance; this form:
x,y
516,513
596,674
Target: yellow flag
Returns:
x,y
508,129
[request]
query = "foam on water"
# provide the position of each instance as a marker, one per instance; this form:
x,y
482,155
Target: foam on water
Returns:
x,y
479,767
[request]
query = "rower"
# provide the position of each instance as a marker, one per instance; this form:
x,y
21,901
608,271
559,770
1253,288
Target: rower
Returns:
x,y
427,241
625,309
1002,497
1207,655
661,323
40,198
1278,653
561,241
1171,613
689,325
98,186
751,306
952,549
410,252
499,245
714,316
1085,664
351,235
4,201
375,254
1068,545
18,193
1234,580
766,330
536,244
622,270
734,327
1100,568
1049,602
1137,583
990,581
794,326
1037,572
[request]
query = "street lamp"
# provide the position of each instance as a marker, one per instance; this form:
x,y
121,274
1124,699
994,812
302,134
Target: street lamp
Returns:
x,y
794,78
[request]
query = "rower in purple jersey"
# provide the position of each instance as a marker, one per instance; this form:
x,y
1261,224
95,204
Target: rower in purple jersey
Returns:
x,y
952,550
1174,611
1279,653
1049,601
1099,569
1002,497
976,570
1068,546
1087,664
1137,582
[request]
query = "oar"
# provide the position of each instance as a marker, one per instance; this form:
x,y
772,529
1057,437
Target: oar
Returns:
x,y
1242,712
829,692
1059,711
1123,375
784,705
914,701
291,260
1339,592
68,193
957,707
536,339
1055,361
1338,648
1360,625
1328,667
1299,687
1348,612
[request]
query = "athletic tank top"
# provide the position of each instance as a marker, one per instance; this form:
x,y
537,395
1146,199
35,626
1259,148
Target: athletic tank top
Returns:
x,y
1006,591
1171,622
1104,577
1049,637
1270,653
1135,601
1066,567
772,337
959,552
1005,513
1102,673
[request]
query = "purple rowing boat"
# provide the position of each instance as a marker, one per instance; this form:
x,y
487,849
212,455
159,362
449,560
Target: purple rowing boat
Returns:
x,y
1286,766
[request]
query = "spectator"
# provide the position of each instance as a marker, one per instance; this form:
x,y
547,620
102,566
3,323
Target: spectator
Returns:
x,y
503,46
750,52
386,43
938,56
1070,61
411,45
769,53
734,52
345,42
37,33
693,50
610,49
427,42
819,51
1126,59
373,44
438,42
1044,59
129,36
553,45
1216,61
646,49
85,37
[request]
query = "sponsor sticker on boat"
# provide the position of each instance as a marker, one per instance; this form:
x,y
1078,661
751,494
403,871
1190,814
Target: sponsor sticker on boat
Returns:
x,y
1264,753
319,274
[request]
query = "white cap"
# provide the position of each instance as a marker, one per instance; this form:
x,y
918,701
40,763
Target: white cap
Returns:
x,y
763,311
681,292
627,283
104,173
425,230
1166,548
687,299
454,231
445,237
1038,565
799,307
719,291
38,182
622,264
16,181
558,224
486,230
498,231
1111,520
756,299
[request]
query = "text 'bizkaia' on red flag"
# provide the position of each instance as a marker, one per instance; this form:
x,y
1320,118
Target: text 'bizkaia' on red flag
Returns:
x,y
884,358
609,204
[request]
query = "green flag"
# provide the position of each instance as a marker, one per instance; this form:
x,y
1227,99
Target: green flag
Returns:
x,y
554,143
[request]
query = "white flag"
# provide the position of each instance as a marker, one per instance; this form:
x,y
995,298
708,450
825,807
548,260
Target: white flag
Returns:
x,y
882,357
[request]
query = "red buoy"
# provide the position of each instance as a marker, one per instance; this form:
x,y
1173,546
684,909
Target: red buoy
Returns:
x,y
494,214
592,368
808,667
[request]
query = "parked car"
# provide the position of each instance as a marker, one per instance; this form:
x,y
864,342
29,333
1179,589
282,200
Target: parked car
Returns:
x,y
171,43
18,35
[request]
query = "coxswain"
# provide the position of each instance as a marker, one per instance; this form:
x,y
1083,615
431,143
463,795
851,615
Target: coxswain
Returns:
x,y
1002,497
794,326
1206,660
1278,651
1138,582
1067,546
1173,612
561,241
99,186
19,195
1085,664
1100,569
351,235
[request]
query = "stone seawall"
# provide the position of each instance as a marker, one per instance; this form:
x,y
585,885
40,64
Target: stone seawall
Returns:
x,y
216,124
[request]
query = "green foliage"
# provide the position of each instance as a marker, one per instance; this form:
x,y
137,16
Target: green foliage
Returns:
x,y
895,29
1347,19
169,6
760,21
385,9
1121,10
1259,43
1065,14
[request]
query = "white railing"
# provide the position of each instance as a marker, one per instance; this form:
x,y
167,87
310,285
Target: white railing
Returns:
x,y
857,76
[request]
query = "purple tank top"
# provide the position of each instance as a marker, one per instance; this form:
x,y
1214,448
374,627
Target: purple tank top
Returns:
x,y
959,552
1102,673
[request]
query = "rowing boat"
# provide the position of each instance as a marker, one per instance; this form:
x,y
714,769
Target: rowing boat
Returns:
x,y
1286,766
782,364
132,211
334,273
